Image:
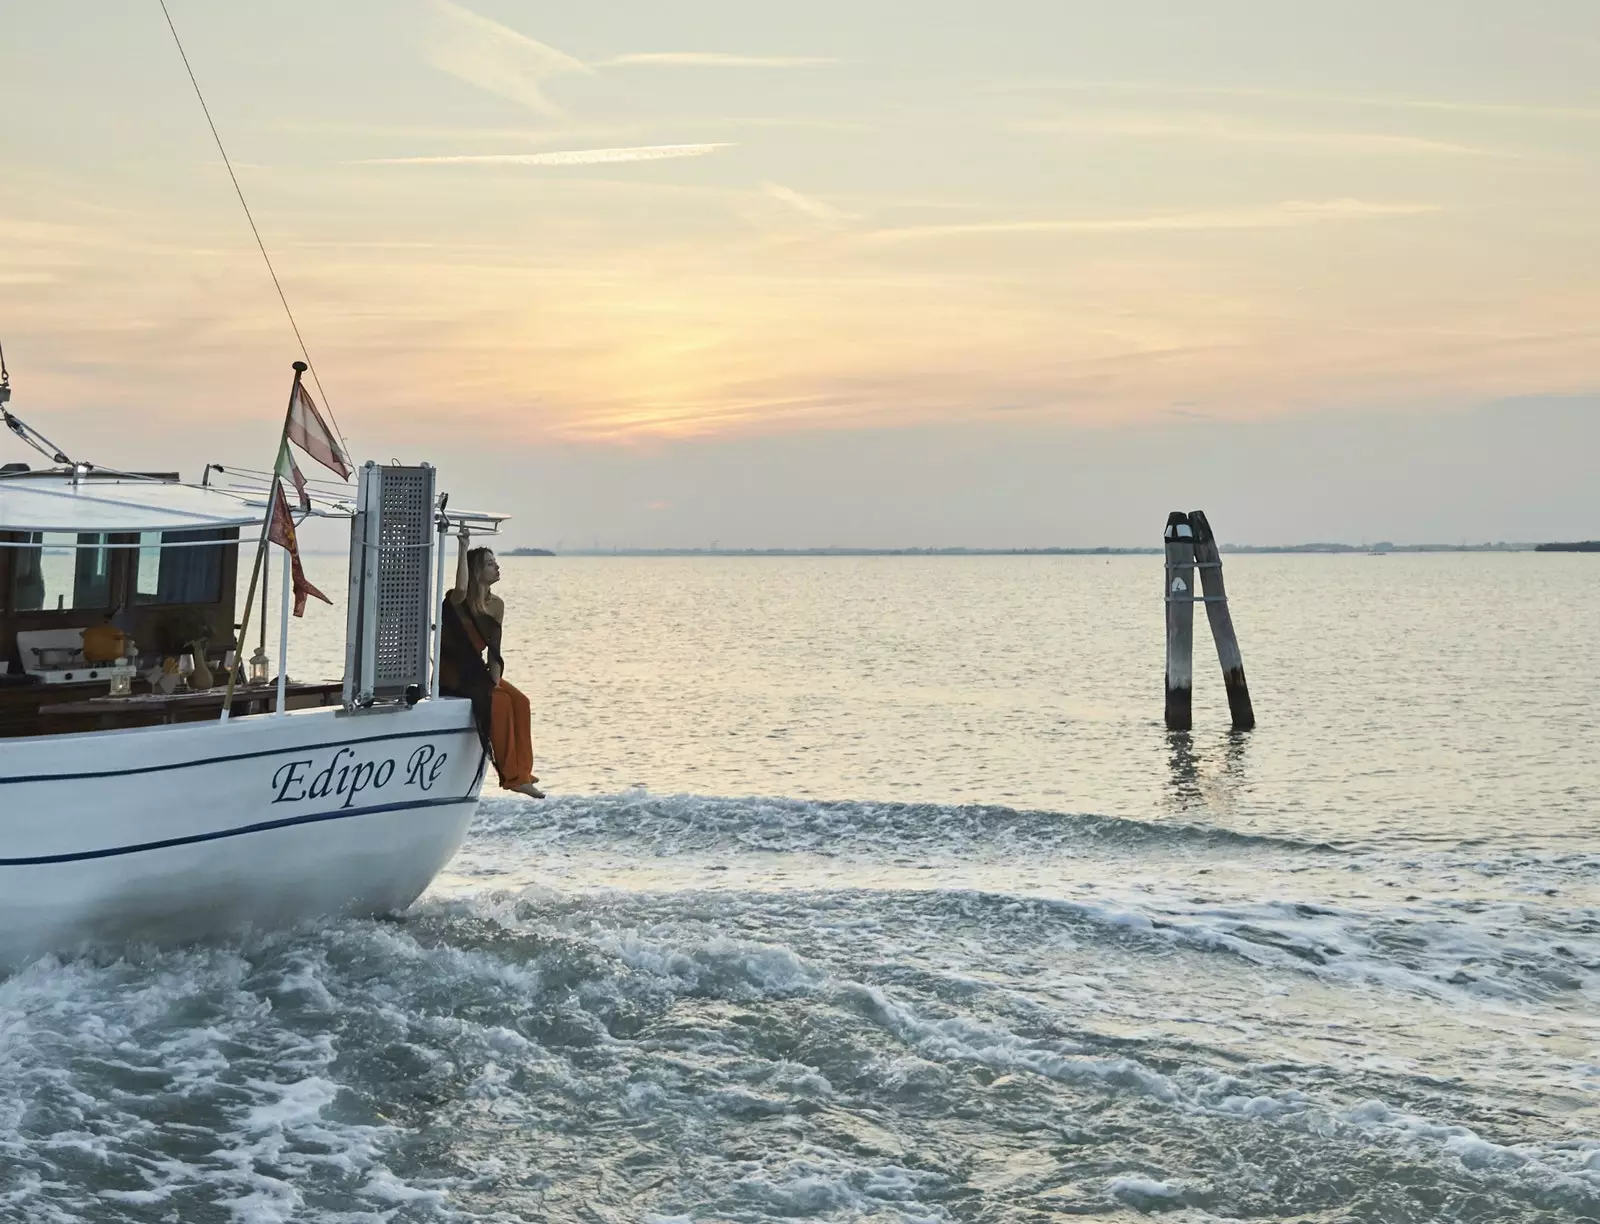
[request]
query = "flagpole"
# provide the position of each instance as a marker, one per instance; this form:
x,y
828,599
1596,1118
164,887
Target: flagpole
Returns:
x,y
266,585
261,545
283,633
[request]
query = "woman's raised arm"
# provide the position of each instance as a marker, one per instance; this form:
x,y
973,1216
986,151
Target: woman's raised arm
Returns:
x,y
464,539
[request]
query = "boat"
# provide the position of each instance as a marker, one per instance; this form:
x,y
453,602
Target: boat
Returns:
x,y
135,808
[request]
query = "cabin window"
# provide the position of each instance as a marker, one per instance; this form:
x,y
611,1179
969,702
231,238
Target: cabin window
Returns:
x,y
57,572
189,574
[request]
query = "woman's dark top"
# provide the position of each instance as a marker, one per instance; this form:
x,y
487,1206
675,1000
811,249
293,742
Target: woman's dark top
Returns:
x,y
465,638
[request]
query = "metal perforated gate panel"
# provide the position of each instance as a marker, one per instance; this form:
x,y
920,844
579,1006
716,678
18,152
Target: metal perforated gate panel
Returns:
x,y
391,601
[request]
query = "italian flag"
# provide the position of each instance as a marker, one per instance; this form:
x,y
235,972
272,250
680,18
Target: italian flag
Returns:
x,y
280,527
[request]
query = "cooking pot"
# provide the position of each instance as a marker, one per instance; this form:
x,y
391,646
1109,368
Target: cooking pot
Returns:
x,y
103,643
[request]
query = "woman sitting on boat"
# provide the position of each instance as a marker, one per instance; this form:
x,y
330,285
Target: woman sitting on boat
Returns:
x,y
473,616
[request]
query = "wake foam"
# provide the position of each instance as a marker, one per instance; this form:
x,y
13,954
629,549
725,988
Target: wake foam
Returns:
x,y
675,824
912,1053
540,1055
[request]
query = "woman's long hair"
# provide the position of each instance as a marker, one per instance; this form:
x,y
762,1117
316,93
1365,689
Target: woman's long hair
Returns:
x,y
477,588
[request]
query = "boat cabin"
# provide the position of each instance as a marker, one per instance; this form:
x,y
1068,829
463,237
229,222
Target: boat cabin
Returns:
x,y
153,558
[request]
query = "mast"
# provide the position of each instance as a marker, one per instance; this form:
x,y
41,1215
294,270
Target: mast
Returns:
x,y
261,546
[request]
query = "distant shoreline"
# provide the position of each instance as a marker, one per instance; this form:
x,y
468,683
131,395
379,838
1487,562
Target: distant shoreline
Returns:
x,y
1324,549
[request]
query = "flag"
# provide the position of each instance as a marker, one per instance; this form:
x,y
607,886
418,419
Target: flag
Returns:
x,y
289,470
308,431
280,530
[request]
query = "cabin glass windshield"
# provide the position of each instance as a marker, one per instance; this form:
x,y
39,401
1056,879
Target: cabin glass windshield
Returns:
x,y
57,572
182,575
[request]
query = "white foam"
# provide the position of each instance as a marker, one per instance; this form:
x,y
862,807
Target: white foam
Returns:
x,y
134,1018
756,969
1138,1189
930,991
386,1187
1420,931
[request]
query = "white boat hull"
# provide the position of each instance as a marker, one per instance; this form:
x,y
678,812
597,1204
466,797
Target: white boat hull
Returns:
x,y
175,833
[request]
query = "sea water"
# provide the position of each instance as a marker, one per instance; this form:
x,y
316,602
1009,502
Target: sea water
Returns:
x,y
873,888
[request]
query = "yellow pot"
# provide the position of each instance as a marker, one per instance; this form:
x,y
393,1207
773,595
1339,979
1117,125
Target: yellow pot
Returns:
x,y
103,643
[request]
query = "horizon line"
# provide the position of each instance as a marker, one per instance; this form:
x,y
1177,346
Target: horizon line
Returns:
x,y
1328,547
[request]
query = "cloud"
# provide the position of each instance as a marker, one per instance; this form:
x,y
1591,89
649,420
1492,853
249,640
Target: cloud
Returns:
x,y
816,209
524,134
560,157
1288,215
1519,109
495,57
818,123
713,59
1271,94
1227,130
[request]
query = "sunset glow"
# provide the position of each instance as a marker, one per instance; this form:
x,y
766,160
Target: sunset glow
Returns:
x,y
735,222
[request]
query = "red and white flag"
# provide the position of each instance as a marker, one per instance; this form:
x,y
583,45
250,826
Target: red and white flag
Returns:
x,y
289,470
310,433
280,530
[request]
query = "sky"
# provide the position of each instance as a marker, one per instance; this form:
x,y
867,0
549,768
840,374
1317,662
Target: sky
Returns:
x,y
1024,273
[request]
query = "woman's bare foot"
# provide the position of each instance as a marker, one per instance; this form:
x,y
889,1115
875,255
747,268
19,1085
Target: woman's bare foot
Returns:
x,y
530,790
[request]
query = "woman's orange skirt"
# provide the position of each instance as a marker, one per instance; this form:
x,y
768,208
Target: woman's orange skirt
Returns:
x,y
511,735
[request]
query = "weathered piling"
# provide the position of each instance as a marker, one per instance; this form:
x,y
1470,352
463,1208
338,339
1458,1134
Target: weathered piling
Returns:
x,y
1209,562
1180,621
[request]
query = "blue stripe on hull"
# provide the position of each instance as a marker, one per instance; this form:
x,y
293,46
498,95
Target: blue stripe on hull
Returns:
x,y
218,835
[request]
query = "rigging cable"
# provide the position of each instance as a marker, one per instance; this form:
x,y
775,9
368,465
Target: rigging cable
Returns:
x,y
22,429
271,271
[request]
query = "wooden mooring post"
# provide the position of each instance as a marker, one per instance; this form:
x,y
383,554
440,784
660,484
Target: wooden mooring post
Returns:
x,y
1179,587
1192,546
1209,561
